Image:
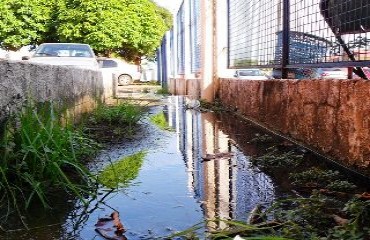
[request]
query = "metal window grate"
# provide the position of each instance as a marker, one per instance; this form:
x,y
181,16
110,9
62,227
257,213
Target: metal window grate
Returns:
x,y
253,25
172,53
321,33
195,35
181,40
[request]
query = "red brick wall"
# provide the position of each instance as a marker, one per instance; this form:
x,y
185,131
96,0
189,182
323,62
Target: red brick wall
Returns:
x,y
332,116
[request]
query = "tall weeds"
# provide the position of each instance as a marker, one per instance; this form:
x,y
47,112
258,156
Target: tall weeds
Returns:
x,y
125,114
40,155
117,120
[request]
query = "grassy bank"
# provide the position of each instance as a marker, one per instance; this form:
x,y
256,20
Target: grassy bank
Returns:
x,y
44,154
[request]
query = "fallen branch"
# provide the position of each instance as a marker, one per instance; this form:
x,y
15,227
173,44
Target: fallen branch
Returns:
x,y
104,232
117,223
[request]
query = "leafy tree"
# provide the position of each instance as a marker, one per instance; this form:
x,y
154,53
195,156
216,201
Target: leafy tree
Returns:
x,y
100,23
132,28
25,22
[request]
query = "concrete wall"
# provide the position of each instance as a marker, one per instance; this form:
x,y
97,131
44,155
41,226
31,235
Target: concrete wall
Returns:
x,y
332,116
20,81
181,86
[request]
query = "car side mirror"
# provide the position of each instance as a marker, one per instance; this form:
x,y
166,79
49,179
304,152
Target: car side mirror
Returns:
x,y
26,58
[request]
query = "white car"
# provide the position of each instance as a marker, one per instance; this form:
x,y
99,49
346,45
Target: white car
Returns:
x,y
65,54
124,72
250,74
332,73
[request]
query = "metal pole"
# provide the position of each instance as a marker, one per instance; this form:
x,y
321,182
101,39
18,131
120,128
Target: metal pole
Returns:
x,y
285,40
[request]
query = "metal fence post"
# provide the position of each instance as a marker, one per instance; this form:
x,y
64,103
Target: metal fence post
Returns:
x,y
286,36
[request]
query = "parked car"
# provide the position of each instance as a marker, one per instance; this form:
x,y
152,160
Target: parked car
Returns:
x,y
66,54
314,73
332,73
250,74
124,72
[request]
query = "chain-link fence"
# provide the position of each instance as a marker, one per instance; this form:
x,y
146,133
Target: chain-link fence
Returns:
x,y
291,34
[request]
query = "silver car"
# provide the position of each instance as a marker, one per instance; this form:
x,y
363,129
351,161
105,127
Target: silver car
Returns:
x,y
65,54
125,73
250,74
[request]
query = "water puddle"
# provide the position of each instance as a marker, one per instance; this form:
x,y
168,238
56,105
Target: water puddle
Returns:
x,y
199,168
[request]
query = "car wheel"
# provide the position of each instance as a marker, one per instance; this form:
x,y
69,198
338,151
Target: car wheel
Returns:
x,y
124,79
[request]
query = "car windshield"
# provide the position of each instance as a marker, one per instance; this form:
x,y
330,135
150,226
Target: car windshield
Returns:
x,y
63,50
109,64
250,73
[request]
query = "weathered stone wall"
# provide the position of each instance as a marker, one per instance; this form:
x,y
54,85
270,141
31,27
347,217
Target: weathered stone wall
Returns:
x,y
20,81
331,116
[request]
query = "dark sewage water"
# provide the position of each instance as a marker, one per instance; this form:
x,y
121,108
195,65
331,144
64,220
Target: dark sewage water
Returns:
x,y
199,169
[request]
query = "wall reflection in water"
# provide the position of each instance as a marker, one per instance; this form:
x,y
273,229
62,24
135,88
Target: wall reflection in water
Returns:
x,y
220,173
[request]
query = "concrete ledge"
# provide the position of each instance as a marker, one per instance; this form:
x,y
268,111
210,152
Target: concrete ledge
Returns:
x,y
332,116
20,81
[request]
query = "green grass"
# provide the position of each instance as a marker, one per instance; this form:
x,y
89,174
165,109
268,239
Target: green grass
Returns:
x,y
163,91
122,172
124,114
40,155
160,121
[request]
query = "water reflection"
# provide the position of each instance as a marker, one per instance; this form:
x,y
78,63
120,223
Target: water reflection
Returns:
x,y
219,170
202,170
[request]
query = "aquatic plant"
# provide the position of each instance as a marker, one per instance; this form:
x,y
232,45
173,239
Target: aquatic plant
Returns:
x,y
122,172
160,121
277,159
318,178
215,106
358,225
40,155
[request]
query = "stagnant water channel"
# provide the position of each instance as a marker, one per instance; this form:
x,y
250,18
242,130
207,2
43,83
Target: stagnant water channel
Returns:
x,y
199,170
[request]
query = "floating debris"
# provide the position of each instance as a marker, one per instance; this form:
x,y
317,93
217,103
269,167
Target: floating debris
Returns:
x,y
105,227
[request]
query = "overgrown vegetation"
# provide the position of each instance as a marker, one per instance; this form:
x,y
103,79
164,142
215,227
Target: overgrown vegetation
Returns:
x,y
44,155
323,203
117,120
121,173
40,155
216,106
276,159
163,91
160,121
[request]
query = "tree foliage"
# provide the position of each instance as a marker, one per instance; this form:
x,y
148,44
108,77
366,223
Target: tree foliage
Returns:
x,y
133,28
24,22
